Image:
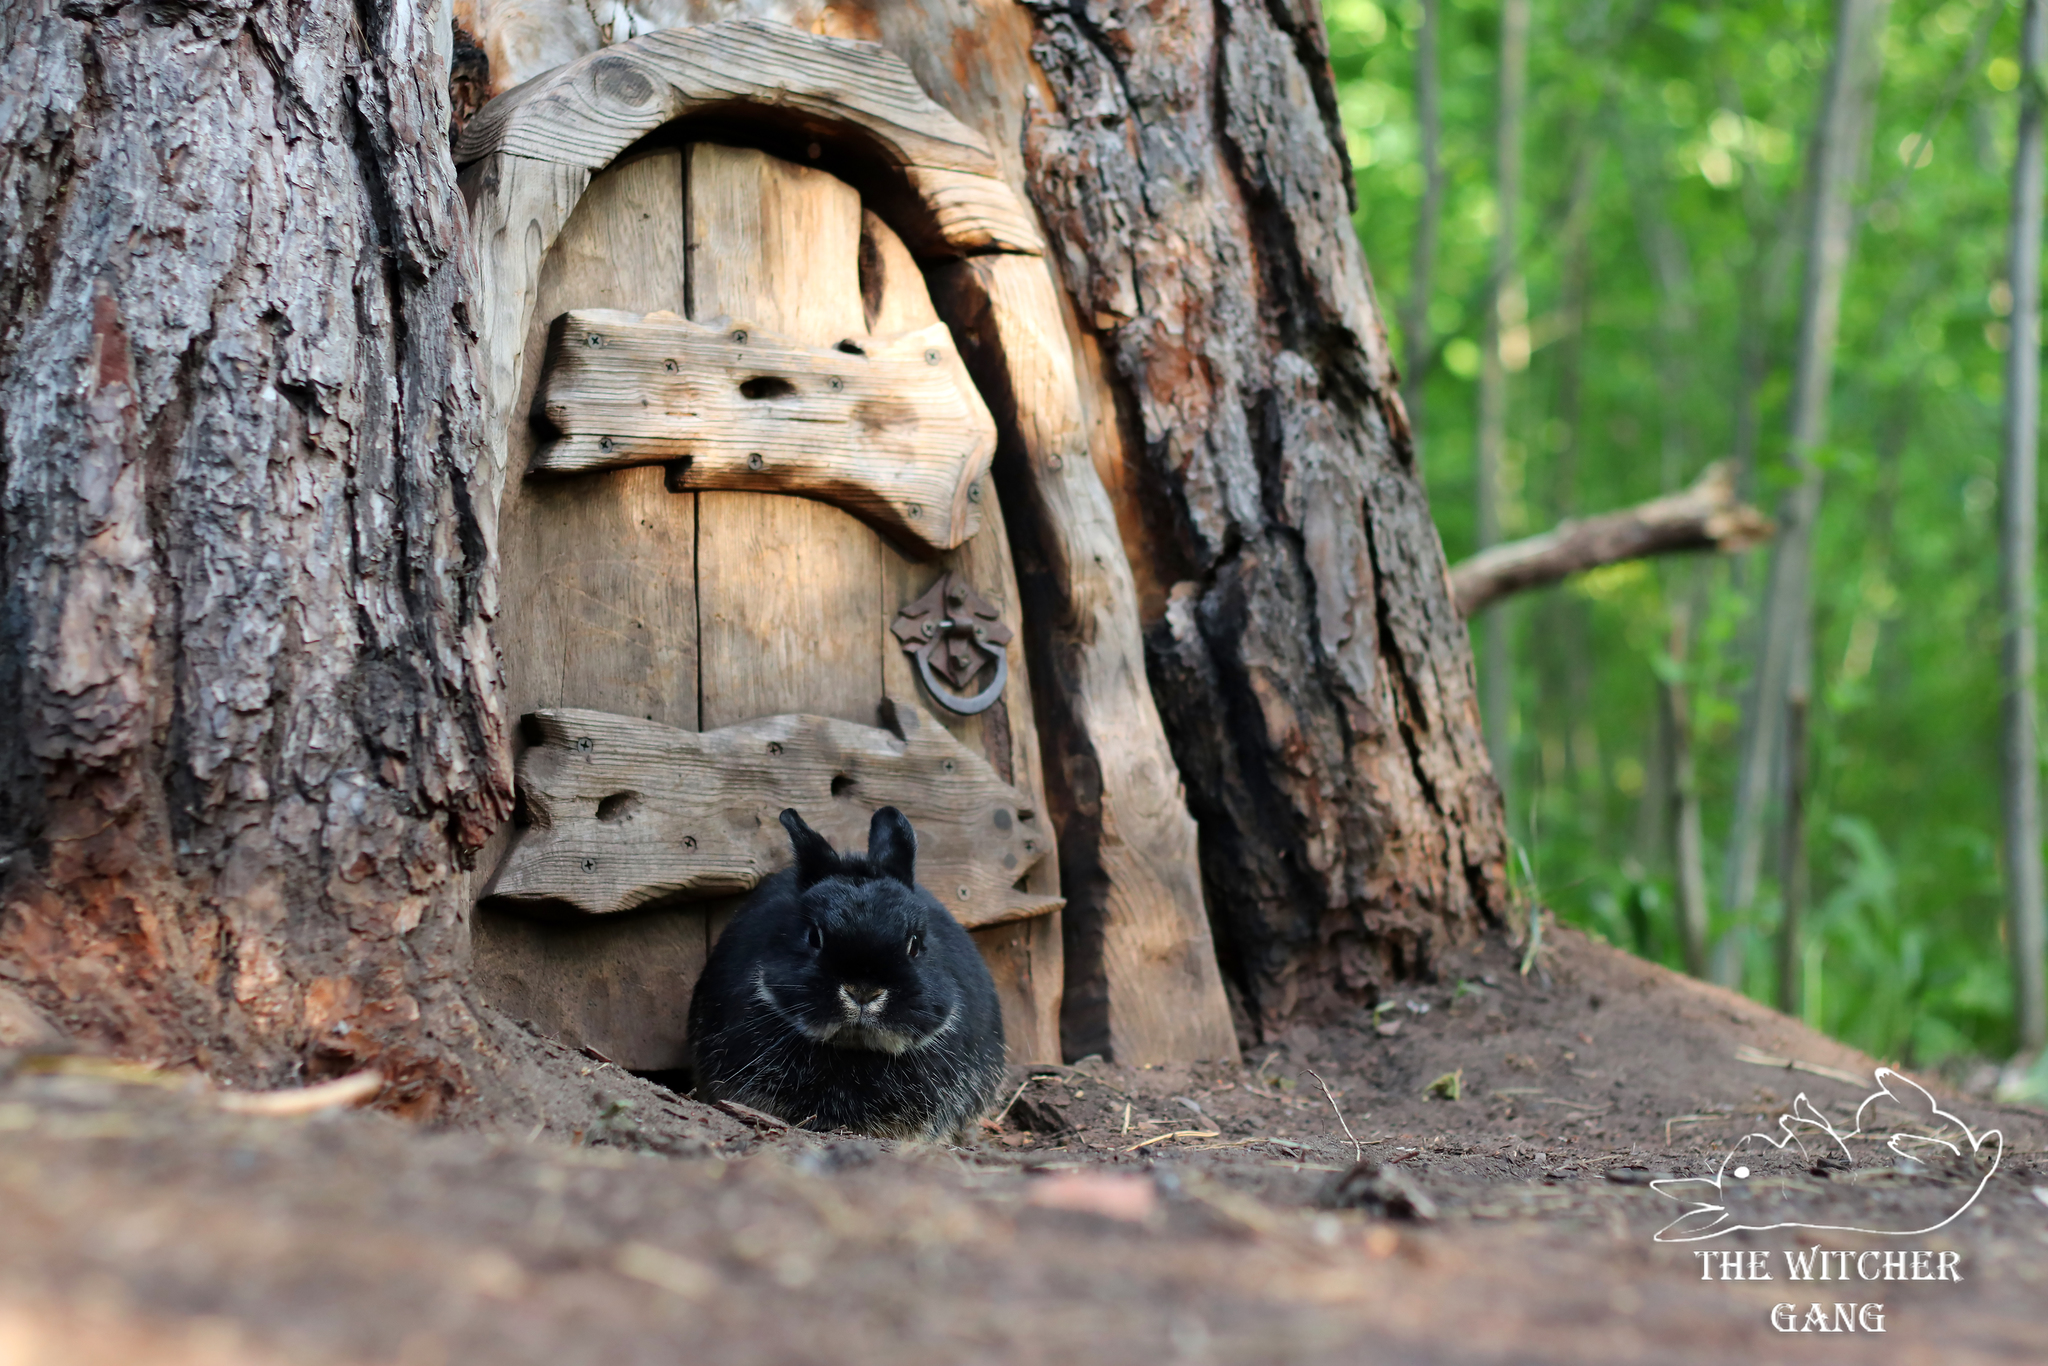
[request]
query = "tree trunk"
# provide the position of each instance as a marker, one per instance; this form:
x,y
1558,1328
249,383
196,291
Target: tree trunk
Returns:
x,y
257,722
249,602
1841,139
1310,666
2019,599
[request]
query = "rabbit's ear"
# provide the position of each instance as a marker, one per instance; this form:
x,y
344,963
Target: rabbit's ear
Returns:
x,y
815,860
892,846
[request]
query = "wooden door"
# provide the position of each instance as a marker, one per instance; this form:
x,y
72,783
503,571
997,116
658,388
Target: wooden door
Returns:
x,y
628,592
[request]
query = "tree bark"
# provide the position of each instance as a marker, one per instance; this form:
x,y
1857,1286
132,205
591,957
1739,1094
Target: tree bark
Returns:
x,y
247,614
248,599
1310,666
1841,139
2019,598
1706,516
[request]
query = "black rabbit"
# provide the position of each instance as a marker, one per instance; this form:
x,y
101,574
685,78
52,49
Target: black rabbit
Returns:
x,y
844,996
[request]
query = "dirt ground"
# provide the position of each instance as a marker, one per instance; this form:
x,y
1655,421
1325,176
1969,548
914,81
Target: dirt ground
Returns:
x,y
1203,1213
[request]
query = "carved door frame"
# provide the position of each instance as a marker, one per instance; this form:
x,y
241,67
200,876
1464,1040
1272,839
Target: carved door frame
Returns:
x,y
1145,975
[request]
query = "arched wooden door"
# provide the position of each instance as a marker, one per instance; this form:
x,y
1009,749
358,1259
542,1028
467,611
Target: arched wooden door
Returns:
x,y
640,607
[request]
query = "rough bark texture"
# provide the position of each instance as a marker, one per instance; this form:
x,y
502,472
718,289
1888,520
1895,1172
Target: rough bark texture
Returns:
x,y
1309,662
257,718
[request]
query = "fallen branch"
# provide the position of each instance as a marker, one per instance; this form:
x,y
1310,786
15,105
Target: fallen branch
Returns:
x,y
328,1095
747,1114
1706,516
1745,1053
1177,1133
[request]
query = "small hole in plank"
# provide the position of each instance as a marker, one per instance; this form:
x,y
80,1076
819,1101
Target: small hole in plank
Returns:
x,y
618,806
841,784
766,386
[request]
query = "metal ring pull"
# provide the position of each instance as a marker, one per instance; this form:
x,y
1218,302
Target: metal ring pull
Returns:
x,y
952,701
967,632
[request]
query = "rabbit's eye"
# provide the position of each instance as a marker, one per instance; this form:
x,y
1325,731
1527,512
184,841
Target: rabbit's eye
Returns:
x,y
815,937
915,946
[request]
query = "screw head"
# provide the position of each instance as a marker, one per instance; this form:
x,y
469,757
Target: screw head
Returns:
x,y
585,744
689,841
594,339
775,747
590,865
964,894
915,512
739,334
931,355
669,366
835,384
974,493
604,443
755,462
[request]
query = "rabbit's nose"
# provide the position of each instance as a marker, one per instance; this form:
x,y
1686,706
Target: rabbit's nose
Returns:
x,y
867,995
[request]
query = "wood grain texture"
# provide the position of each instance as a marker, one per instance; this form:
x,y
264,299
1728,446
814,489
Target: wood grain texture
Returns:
x,y
585,113
623,813
1141,977
598,609
1027,958
599,604
888,428
620,984
790,591
517,208
791,588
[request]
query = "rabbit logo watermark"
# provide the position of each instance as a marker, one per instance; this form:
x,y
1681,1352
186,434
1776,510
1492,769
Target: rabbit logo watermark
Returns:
x,y
1743,1195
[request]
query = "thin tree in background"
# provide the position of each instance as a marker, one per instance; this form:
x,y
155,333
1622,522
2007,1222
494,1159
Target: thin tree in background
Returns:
x,y
1840,141
1416,343
2019,494
1675,794
1496,679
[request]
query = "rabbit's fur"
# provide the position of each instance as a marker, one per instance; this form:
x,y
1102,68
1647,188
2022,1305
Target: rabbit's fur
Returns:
x,y
844,996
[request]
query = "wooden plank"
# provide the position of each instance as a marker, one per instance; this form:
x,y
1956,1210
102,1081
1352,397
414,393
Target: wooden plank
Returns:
x,y
597,573
773,242
1142,982
620,985
1025,957
597,606
790,588
627,813
889,428
789,591
517,209
856,97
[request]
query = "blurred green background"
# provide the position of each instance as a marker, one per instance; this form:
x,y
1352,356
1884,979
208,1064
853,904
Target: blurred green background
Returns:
x,y
1659,244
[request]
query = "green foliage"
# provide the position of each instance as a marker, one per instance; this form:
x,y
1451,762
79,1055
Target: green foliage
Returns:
x,y
1666,148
